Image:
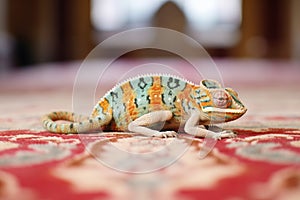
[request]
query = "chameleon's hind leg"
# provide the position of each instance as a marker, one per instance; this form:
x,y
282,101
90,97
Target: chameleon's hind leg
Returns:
x,y
140,124
197,118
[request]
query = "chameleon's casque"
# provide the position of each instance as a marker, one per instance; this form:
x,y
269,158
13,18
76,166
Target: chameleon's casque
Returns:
x,y
138,104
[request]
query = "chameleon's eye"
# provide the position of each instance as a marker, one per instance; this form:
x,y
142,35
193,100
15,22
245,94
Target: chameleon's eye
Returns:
x,y
220,99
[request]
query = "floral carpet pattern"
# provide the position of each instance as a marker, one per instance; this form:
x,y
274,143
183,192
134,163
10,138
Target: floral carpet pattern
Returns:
x,y
41,165
261,163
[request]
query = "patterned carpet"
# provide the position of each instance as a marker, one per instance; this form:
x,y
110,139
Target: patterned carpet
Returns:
x,y
263,162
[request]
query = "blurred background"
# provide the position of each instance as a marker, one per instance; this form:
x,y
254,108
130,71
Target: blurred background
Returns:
x,y
38,31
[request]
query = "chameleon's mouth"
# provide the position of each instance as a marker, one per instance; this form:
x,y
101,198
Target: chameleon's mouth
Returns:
x,y
224,110
220,115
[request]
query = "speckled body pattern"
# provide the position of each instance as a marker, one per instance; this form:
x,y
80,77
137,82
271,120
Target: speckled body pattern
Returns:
x,y
138,96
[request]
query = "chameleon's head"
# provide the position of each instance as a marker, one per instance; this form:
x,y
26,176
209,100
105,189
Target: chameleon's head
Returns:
x,y
221,104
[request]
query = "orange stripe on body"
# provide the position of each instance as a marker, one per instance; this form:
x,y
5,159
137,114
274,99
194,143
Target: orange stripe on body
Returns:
x,y
183,95
128,99
105,106
155,93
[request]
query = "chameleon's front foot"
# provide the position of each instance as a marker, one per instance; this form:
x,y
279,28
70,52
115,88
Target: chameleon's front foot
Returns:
x,y
222,134
192,127
165,134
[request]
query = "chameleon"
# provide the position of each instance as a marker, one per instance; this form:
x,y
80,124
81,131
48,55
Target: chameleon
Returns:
x,y
157,106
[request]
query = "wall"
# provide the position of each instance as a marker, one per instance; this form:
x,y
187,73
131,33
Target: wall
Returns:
x,y
60,30
295,29
49,30
265,30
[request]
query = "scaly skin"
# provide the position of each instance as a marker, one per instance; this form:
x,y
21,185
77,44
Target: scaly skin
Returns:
x,y
145,102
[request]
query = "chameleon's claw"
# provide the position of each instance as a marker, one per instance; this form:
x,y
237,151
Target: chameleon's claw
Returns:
x,y
228,134
223,134
171,133
217,136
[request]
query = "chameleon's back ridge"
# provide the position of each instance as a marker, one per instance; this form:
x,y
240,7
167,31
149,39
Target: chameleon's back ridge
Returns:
x,y
140,103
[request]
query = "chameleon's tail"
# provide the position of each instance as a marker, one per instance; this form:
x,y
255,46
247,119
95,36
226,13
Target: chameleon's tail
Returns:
x,y
78,123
